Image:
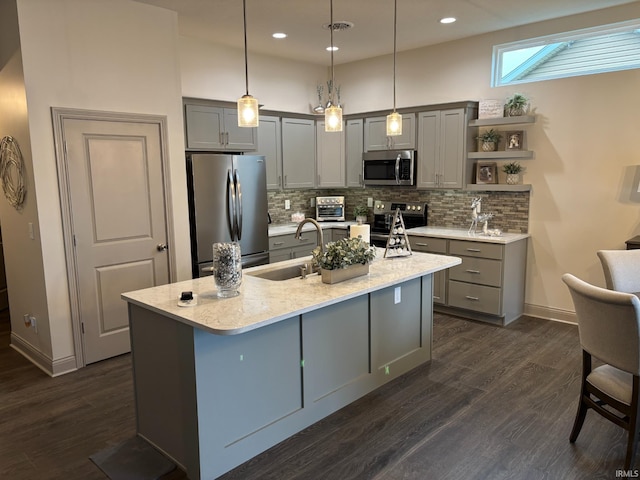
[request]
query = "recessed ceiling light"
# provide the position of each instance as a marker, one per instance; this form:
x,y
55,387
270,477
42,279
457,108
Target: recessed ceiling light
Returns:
x,y
279,35
334,48
447,20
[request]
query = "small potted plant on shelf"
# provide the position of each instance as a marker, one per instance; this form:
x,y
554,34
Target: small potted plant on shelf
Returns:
x,y
516,105
361,213
489,140
513,170
344,259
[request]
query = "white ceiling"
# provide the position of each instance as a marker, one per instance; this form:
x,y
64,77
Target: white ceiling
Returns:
x,y
220,21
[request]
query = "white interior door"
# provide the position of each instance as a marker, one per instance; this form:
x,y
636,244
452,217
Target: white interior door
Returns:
x,y
115,178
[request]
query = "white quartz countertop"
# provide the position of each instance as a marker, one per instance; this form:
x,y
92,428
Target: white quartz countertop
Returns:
x,y
291,227
461,234
262,302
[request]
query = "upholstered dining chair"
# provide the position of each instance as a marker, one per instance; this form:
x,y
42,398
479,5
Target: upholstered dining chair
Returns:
x,y
608,325
621,269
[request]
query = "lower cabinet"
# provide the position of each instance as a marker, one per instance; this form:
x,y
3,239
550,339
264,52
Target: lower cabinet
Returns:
x,y
286,247
211,402
438,246
488,285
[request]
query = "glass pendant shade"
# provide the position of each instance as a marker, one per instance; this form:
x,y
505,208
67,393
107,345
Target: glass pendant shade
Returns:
x,y
333,119
394,124
248,111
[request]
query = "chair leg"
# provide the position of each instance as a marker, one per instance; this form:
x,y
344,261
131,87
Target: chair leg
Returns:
x,y
632,442
582,407
581,414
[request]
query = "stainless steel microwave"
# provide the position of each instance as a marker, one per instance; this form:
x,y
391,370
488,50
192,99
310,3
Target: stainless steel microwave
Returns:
x,y
389,167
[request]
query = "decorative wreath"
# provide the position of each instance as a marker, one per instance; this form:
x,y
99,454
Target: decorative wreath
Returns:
x,y
12,171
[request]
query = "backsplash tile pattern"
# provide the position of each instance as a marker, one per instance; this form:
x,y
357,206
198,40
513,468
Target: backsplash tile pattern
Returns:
x,y
446,208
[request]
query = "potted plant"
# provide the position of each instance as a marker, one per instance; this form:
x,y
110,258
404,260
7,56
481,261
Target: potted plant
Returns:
x,y
516,105
489,140
344,259
513,170
361,213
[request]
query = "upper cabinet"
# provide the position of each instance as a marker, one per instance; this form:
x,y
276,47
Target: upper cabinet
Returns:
x,y
330,157
298,152
441,148
270,145
375,134
210,127
354,148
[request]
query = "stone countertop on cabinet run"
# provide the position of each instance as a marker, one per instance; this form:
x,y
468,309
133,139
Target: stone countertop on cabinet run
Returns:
x,y
461,234
291,227
262,302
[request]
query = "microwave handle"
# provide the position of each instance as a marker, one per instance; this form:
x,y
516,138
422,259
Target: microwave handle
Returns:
x,y
398,169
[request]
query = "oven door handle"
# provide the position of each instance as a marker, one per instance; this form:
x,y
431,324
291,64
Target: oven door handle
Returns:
x,y
398,169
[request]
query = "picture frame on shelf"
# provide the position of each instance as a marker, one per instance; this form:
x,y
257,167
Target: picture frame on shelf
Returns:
x,y
486,173
514,140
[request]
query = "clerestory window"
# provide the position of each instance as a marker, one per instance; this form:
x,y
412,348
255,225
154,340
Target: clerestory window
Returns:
x,y
602,49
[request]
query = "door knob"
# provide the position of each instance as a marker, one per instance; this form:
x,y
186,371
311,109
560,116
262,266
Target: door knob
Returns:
x,y
162,246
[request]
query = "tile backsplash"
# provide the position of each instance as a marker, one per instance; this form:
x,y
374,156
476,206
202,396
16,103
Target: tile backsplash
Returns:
x,y
446,208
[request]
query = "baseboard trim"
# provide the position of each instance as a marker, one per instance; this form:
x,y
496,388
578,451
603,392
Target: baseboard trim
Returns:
x,y
548,313
53,368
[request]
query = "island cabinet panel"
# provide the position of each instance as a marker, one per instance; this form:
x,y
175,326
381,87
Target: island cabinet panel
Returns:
x,y
400,337
245,384
335,348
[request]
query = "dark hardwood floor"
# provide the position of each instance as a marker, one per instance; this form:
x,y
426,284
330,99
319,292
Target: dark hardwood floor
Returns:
x,y
495,403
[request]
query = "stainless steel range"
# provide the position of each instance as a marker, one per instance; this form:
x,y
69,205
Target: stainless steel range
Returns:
x,y
413,214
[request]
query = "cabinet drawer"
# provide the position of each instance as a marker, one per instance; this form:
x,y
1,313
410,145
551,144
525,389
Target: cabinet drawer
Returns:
x,y
479,298
478,270
430,245
476,249
290,241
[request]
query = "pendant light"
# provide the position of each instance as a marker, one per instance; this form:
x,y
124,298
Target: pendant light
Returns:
x,y
394,119
247,105
332,114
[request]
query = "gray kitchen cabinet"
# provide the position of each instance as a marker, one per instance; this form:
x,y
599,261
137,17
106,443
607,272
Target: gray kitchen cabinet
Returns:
x,y
336,234
330,157
399,339
298,152
286,247
438,246
489,283
335,345
216,128
375,134
441,149
354,148
270,145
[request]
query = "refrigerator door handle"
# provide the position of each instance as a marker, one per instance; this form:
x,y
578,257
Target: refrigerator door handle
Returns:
x,y
231,206
236,179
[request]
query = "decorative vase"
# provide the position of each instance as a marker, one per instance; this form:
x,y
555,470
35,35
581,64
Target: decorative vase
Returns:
x,y
342,274
360,219
227,268
516,112
513,178
489,146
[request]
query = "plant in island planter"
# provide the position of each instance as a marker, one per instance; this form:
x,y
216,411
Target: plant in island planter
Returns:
x,y
489,140
344,259
361,213
516,105
513,170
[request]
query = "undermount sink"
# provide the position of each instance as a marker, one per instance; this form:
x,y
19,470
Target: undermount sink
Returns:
x,y
284,272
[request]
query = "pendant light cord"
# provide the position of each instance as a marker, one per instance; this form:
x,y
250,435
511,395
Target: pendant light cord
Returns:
x,y
246,63
395,23
333,79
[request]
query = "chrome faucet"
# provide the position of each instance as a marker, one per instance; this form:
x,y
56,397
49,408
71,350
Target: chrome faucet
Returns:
x,y
318,228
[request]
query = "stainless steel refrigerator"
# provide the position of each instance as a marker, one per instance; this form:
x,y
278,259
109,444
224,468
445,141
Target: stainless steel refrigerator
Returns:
x,y
227,202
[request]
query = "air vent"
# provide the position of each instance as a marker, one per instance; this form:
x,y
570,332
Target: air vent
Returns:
x,y
341,25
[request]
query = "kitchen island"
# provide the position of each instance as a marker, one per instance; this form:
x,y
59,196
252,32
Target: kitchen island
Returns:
x,y
222,381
